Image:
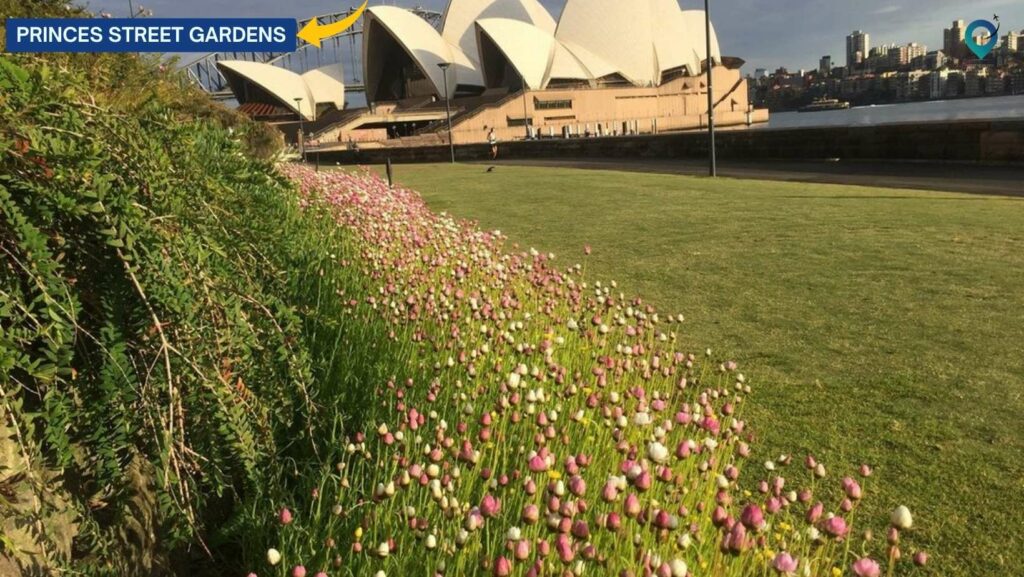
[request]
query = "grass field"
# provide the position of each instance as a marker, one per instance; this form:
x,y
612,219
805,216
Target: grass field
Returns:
x,y
884,326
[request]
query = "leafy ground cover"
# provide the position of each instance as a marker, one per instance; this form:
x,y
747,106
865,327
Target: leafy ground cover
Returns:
x,y
883,325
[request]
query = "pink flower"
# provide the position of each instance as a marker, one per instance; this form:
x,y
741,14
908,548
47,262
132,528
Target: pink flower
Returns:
x,y
815,512
752,517
836,526
719,516
577,486
632,506
564,549
285,516
643,481
521,550
609,492
502,567
785,563
580,530
920,558
490,506
298,571
538,464
852,489
531,514
866,567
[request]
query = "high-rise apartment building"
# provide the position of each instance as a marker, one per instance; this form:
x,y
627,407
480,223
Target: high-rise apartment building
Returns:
x,y
857,46
953,40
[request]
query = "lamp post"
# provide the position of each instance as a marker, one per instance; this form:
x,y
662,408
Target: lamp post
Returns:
x,y
302,128
447,106
526,114
712,168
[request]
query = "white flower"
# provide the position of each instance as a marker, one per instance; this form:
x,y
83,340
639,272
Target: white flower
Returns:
x,y
657,452
678,568
431,541
901,518
273,556
383,549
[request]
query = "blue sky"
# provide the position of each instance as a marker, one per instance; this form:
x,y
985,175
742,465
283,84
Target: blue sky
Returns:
x,y
766,33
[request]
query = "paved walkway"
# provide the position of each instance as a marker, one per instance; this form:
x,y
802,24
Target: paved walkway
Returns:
x,y
1004,180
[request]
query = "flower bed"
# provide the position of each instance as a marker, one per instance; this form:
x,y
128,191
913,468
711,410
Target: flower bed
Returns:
x,y
527,421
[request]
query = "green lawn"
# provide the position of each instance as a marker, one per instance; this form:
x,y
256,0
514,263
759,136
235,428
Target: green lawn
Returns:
x,y
884,326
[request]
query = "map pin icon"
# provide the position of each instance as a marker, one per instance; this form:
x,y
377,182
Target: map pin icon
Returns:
x,y
982,50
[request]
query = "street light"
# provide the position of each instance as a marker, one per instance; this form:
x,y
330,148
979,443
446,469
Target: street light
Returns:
x,y
526,117
302,128
712,168
447,106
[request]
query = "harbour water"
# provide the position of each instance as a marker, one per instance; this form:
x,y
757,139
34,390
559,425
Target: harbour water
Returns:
x,y
999,107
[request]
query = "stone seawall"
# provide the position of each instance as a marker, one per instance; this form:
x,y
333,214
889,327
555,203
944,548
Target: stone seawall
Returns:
x,y
962,141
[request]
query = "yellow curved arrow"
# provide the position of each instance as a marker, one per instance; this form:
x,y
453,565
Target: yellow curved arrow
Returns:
x,y
314,33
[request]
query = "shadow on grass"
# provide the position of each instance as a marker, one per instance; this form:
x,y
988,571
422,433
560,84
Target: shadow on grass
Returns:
x,y
898,197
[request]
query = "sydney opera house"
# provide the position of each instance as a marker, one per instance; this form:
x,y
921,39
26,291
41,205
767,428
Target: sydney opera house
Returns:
x,y
605,67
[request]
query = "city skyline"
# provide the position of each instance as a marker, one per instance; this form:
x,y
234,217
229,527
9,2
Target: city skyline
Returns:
x,y
810,29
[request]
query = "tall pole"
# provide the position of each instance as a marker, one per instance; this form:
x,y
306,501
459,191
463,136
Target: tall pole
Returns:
x,y
713,167
526,114
302,129
448,108
131,9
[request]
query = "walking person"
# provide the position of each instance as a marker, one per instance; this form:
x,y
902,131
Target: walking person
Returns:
x,y
493,140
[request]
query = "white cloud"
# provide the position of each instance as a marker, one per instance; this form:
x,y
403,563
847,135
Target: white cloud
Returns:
x,y
887,10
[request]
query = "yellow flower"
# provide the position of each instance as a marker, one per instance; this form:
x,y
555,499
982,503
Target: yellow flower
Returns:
x,y
359,533
747,493
837,572
555,475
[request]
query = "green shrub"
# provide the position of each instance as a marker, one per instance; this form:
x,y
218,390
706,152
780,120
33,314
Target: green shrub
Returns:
x,y
155,374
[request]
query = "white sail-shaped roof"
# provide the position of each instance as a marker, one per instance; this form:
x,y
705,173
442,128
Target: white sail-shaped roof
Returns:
x,y
618,32
672,43
596,66
327,85
284,85
640,39
424,45
416,36
694,22
460,15
566,66
527,47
